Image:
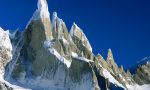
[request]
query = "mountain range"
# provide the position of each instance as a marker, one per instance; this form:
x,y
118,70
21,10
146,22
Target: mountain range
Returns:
x,y
46,56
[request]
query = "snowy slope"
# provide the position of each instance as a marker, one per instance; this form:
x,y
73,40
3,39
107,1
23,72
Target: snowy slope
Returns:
x,y
138,87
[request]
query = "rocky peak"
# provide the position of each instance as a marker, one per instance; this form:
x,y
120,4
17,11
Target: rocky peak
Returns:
x,y
121,69
111,63
77,34
40,24
59,28
100,57
110,55
129,73
102,61
42,11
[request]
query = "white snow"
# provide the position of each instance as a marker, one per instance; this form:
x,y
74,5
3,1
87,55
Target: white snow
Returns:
x,y
64,40
138,87
15,87
62,59
74,55
48,45
106,74
74,31
4,39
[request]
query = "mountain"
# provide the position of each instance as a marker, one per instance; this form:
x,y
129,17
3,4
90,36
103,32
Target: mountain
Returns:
x,y
46,56
141,72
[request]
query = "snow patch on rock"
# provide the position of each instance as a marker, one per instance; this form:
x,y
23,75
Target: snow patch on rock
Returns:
x,y
4,39
138,87
48,45
74,55
106,74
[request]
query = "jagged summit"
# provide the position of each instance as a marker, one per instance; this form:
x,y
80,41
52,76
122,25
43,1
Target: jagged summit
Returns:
x,y
59,28
78,33
110,55
42,11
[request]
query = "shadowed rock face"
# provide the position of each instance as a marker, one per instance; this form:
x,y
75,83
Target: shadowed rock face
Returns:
x,y
33,38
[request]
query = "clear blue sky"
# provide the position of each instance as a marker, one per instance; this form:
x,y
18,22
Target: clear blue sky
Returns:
x,y
122,25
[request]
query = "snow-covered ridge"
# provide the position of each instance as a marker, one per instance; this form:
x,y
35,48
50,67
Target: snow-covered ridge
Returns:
x,y
75,55
48,45
138,87
111,78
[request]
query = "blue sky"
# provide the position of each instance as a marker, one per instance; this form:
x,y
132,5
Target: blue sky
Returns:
x,y
122,25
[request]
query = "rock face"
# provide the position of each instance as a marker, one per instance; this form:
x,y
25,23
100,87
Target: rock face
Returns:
x,y
46,56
